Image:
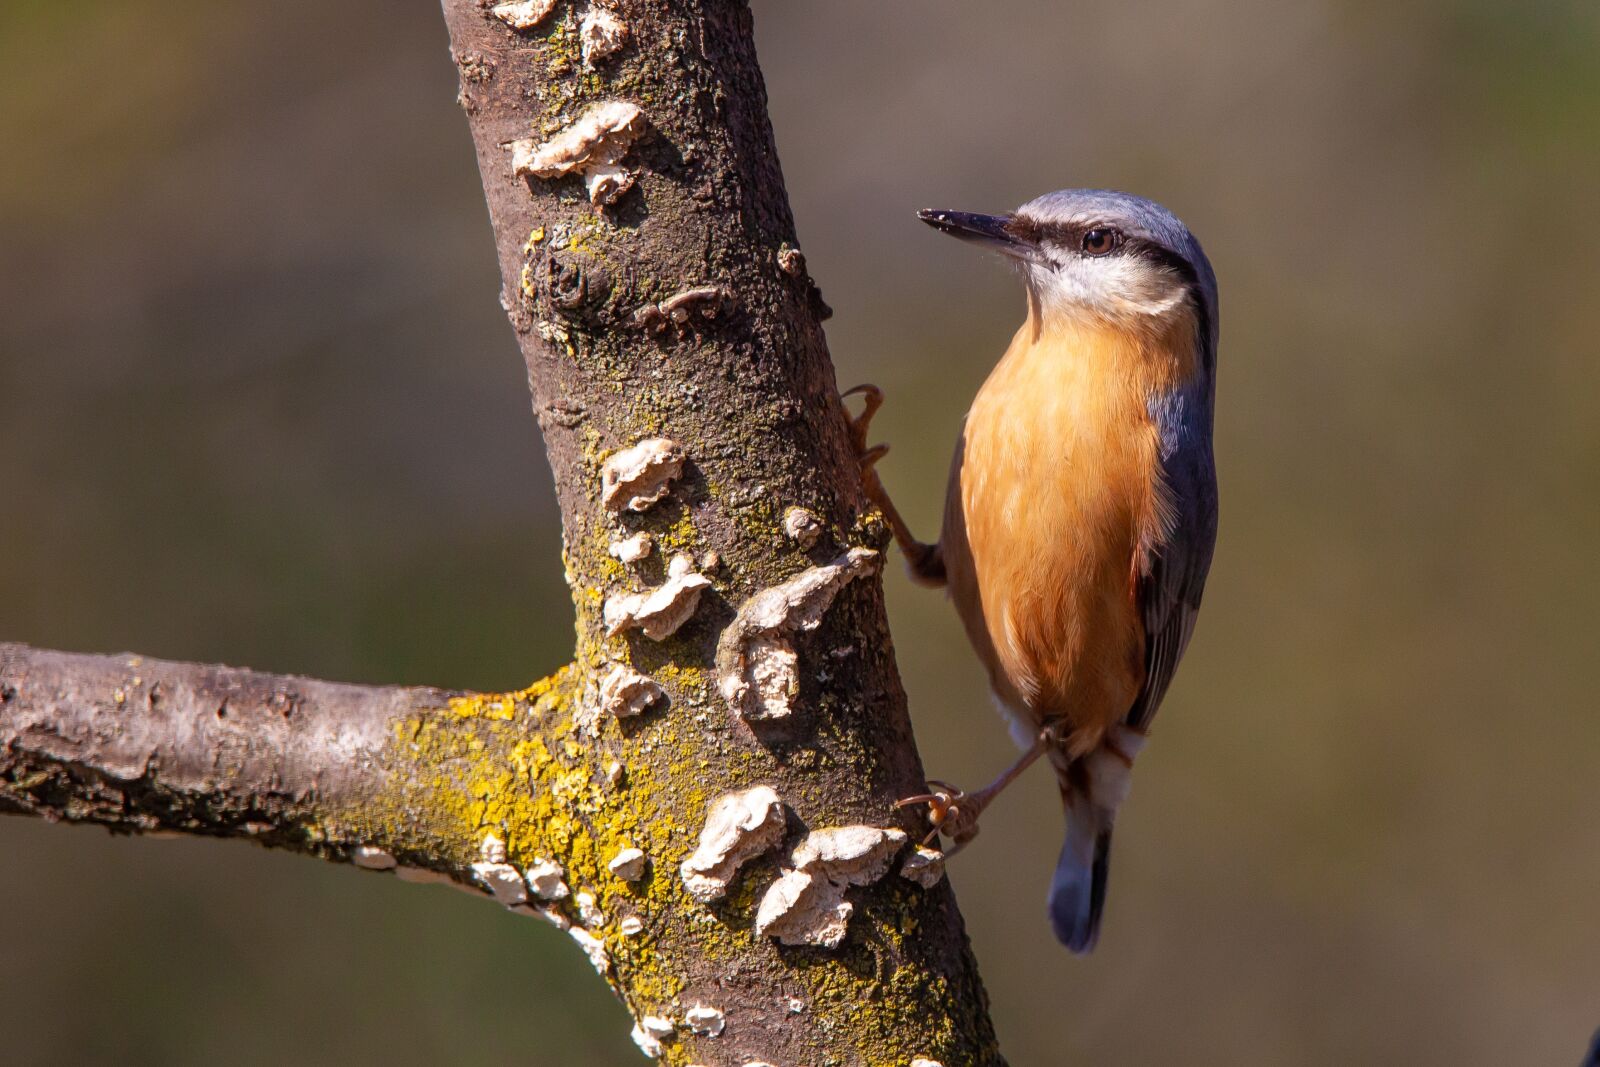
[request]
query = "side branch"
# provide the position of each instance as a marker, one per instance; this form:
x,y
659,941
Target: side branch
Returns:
x,y
143,745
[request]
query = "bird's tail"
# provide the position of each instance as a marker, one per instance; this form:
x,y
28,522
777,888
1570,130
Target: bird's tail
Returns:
x,y
1092,789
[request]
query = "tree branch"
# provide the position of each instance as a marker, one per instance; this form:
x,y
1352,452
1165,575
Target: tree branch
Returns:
x,y
705,798
143,745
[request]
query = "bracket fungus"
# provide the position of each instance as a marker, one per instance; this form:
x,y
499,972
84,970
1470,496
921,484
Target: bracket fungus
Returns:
x,y
638,477
524,14
806,905
628,864
802,526
633,548
503,880
647,1043
739,827
592,147
649,1032
547,880
589,912
757,667
592,947
658,612
924,866
602,34
624,692
705,1021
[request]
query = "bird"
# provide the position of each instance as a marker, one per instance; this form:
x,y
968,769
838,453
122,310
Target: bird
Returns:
x,y
1081,511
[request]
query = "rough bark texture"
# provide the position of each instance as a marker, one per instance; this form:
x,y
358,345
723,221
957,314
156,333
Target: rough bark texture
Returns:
x,y
680,312
144,745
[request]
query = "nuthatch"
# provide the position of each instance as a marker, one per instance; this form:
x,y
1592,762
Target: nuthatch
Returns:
x,y
1082,506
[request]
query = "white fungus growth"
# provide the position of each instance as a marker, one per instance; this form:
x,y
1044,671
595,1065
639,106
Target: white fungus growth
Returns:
x,y
370,858
758,671
549,915
631,926
607,182
854,855
650,1031
802,526
924,866
589,910
624,692
648,1044
503,880
602,33
628,864
639,476
525,14
705,1021
614,774
923,1061
493,849
772,676
806,905
660,611
739,827
592,947
633,549
592,147
546,879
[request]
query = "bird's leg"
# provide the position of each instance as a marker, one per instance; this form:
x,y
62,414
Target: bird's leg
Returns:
x,y
925,561
954,813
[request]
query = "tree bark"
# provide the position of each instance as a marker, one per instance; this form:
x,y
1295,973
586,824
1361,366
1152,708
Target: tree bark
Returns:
x,y
731,634
146,746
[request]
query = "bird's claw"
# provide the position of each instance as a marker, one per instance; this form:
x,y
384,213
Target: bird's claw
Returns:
x,y
862,423
949,813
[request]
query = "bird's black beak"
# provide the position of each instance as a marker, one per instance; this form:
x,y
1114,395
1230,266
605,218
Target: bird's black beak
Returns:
x,y
989,230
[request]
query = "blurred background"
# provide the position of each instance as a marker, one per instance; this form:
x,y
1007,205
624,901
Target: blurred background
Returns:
x,y
258,405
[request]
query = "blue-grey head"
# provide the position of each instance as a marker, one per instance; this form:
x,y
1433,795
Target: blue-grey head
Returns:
x,y
1099,254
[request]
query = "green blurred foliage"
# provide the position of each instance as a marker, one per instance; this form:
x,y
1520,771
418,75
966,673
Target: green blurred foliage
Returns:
x,y
258,404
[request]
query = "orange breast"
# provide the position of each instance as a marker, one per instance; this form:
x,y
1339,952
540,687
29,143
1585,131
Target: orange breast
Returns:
x,y
1057,482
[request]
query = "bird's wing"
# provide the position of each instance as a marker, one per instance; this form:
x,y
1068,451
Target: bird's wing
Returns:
x,y
1174,560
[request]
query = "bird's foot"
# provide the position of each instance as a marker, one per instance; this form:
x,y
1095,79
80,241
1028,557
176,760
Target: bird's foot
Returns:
x,y
924,560
951,812
860,425
954,813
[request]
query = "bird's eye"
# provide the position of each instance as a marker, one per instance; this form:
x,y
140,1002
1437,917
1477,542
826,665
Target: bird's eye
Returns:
x,y
1101,241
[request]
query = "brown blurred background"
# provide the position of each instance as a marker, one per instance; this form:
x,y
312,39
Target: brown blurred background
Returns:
x,y
258,404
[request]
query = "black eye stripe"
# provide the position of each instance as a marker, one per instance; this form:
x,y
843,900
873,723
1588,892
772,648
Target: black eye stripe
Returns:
x,y
1070,235
1164,256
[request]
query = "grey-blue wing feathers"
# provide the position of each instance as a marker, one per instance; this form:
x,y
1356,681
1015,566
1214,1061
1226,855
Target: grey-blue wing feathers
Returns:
x,y
1175,564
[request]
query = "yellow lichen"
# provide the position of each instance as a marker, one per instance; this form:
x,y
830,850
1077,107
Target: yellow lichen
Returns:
x,y
521,764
